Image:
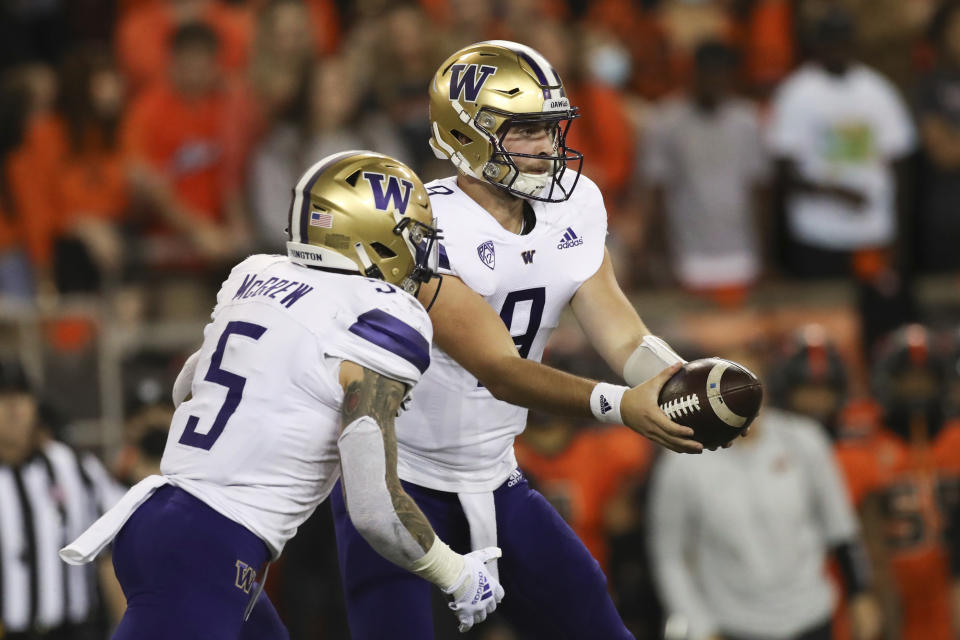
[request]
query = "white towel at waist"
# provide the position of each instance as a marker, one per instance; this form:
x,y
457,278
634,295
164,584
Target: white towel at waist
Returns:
x,y
102,532
481,513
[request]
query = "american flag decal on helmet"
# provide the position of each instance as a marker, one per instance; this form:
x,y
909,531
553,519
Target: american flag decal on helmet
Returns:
x,y
319,219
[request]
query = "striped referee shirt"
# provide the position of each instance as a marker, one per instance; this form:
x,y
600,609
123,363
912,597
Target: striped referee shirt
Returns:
x,y
44,504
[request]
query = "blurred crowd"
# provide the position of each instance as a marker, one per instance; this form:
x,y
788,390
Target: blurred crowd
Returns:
x,y
741,146
145,140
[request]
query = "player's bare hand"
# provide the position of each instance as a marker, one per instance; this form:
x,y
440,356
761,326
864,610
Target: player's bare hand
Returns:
x,y
641,413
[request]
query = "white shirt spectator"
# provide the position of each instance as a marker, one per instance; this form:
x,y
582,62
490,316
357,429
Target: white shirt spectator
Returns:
x,y
738,538
841,130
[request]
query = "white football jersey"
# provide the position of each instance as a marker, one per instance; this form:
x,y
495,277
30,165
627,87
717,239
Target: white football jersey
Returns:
x,y
257,440
456,436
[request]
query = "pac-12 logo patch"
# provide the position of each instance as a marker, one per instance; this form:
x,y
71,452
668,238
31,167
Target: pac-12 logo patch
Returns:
x,y
487,254
466,80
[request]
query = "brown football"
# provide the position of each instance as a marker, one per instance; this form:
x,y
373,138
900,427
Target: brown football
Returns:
x,y
716,398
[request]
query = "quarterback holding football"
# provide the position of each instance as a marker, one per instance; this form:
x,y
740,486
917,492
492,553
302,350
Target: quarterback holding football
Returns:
x,y
524,237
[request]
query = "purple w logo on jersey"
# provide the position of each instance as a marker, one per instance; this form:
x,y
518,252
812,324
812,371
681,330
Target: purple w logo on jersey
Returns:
x,y
466,80
487,254
397,192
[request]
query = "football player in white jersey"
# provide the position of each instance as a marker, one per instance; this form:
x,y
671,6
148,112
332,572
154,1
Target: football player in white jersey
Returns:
x,y
301,373
524,237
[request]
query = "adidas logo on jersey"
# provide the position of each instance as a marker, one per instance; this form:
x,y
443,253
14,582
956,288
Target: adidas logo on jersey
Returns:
x,y
570,239
604,404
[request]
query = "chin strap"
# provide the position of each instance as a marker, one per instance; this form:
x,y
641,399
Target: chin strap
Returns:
x,y
369,269
435,293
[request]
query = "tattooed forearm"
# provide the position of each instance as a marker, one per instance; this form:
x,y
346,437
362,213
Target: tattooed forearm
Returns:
x,y
412,518
373,395
379,397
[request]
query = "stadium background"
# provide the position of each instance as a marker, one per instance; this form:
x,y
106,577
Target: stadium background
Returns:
x,y
123,203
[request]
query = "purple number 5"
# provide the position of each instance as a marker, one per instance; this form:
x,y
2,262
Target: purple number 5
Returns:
x,y
231,381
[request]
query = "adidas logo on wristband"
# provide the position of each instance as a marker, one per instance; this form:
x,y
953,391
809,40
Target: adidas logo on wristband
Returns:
x,y
604,404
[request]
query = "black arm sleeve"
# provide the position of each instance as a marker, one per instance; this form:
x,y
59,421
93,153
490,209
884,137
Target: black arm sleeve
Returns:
x,y
854,566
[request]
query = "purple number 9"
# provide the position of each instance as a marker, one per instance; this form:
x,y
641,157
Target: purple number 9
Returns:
x,y
231,381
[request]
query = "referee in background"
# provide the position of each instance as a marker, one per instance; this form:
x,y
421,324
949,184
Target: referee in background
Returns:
x,y
49,494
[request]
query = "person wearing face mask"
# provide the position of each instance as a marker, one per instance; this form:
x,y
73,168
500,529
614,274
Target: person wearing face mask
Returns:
x,y
906,482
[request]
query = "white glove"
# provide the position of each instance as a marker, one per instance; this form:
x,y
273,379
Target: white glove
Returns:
x,y
476,592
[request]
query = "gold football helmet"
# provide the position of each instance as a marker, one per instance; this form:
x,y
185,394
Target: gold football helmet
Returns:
x,y
364,212
479,93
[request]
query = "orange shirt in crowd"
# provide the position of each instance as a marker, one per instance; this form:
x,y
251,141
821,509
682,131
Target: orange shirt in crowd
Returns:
x,y
604,135
187,141
917,487
325,24
766,40
11,229
54,187
143,39
581,480
31,222
90,182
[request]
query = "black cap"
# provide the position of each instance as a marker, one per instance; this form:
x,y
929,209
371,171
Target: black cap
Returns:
x,y
713,54
835,25
13,377
198,34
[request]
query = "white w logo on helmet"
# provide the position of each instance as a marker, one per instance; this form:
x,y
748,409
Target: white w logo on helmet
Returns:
x,y
465,83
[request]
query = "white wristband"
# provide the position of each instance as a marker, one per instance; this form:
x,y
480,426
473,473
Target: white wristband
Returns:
x,y
440,565
605,402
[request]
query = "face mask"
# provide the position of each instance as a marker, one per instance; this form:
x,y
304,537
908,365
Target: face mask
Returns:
x,y
609,64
